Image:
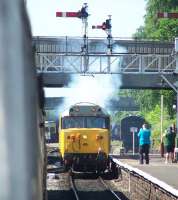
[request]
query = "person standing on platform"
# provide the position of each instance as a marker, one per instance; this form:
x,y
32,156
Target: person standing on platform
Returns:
x,y
144,143
169,141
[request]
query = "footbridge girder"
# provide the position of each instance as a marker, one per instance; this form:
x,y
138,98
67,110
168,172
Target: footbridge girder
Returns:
x,y
105,64
123,81
138,64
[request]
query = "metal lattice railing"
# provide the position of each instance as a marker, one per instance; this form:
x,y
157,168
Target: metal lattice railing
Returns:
x,y
97,63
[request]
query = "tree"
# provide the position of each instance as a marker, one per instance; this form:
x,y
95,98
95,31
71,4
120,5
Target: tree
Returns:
x,y
159,29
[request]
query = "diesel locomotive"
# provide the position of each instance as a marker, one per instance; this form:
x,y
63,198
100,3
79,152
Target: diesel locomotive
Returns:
x,y
84,137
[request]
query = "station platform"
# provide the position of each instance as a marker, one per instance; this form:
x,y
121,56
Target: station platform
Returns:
x,y
167,173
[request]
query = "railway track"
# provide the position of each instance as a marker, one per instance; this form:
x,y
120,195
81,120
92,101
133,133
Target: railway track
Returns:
x,y
110,190
78,186
90,189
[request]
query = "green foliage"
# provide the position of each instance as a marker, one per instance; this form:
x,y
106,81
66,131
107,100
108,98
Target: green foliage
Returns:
x,y
140,33
150,109
169,100
154,118
166,29
159,29
146,99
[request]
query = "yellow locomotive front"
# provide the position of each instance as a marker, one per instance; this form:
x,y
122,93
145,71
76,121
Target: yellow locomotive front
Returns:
x,y
84,136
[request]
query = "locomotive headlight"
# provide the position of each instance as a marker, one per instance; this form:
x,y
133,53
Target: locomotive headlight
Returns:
x,y
84,137
93,109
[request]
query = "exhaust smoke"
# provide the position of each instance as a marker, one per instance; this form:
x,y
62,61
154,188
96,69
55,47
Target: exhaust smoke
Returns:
x,y
96,88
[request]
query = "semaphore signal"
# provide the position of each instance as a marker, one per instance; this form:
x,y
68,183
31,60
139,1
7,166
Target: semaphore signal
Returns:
x,y
167,15
80,14
83,15
106,26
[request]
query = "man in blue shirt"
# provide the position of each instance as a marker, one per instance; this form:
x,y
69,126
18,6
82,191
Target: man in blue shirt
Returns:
x,y
144,143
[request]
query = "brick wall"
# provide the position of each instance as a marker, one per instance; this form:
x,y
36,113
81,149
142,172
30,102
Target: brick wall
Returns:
x,y
136,187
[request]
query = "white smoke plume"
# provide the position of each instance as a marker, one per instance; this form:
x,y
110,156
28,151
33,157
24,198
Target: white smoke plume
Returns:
x,y
96,89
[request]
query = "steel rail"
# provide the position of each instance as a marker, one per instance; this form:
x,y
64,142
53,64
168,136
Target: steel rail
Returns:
x,y
108,188
72,183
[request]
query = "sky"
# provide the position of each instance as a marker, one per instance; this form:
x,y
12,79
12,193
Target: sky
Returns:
x,y
127,16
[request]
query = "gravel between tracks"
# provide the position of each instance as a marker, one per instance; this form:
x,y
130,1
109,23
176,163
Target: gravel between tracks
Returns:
x,y
88,185
58,181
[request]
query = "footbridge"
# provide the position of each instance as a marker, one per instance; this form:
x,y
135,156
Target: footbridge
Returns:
x,y
138,64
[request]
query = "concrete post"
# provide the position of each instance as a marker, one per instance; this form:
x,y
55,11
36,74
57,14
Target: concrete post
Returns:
x,y
177,124
161,135
176,51
133,138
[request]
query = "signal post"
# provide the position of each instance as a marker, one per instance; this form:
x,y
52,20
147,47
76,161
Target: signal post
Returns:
x,y
106,26
83,15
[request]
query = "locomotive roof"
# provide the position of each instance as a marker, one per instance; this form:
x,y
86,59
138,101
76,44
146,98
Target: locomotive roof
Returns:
x,y
85,109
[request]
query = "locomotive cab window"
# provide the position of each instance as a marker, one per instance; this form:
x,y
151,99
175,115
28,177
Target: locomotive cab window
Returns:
x,y
85,122
96,122
72,122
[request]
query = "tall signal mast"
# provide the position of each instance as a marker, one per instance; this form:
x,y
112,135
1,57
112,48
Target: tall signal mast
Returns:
x,y
167,15
106,26
83,15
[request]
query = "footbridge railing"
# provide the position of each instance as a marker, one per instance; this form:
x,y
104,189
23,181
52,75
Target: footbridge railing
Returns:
x,y
65,55
97,63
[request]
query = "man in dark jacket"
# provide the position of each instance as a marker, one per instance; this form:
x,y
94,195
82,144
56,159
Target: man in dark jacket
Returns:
x,y
144,143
